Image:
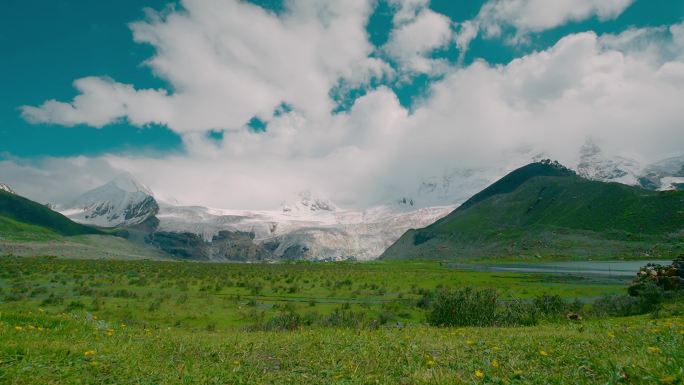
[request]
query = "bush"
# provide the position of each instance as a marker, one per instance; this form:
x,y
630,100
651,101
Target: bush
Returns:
x,y
517,313
283,321
550,306
649,299
463,307
616,306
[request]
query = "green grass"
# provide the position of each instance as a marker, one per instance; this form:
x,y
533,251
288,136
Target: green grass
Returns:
x,y
45,348
145,322
17,231
20,209
225,296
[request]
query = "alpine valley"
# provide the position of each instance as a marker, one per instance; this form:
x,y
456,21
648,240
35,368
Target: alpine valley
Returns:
x,y
314,228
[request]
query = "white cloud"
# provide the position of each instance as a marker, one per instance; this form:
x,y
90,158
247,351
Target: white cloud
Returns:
x,y
227,61
226,67
528,16
407,10
102,101
418,31
411,43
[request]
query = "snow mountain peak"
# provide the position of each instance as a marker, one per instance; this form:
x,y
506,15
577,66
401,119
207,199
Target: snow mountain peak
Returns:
x,y
6,188
121,202
308,202
126,182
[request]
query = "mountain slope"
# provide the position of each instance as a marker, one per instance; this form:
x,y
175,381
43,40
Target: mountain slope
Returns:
x,y
20,214
121,202
545,209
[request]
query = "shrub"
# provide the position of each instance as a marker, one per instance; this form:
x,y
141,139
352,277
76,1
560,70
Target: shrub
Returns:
x,y
649,299
463,307
550,306
281,322
616,305
517,313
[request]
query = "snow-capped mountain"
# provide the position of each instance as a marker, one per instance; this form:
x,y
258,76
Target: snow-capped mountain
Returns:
x,y
596,165
6,188
308,203
121,202
668,174
312,228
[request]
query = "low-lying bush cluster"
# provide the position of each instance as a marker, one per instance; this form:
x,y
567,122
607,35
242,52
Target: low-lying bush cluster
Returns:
x,y
341,317
482,307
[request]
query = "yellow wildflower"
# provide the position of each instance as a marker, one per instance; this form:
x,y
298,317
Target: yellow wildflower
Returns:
x,y
611,334
470,342
495,363
543,353
479,374
517,373
18,328
89,353
654,349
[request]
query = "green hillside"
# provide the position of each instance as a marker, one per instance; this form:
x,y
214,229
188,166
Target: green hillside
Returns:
x,y
544,209
19,215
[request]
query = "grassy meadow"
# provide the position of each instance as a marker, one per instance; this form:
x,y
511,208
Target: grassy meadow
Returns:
x,y
148,322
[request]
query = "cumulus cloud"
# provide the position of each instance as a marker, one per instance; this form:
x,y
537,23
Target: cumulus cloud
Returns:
x,y
418,31
528,16
227,61
412,41
226,67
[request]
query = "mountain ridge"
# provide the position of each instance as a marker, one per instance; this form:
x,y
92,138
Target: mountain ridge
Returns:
x,y
544,213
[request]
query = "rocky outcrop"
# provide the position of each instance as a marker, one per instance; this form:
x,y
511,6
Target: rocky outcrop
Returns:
x,y
668,277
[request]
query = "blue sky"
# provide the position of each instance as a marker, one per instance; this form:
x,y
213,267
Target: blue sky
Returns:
x,y
254,101
46,45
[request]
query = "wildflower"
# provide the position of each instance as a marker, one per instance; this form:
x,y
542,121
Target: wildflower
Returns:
x,y
110,332
95,317
517,373
31,327
495,364
611,334
93,363
543,353
89,353
18,328
654,350
479,374
470,342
